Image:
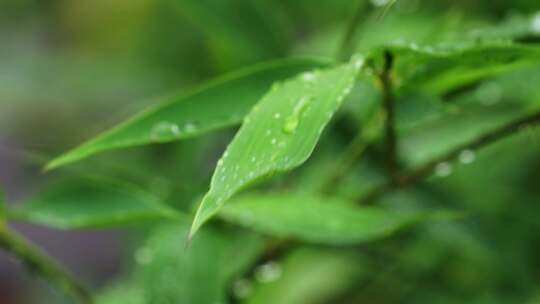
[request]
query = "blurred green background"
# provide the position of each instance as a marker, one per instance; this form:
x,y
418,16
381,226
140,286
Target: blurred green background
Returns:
x,y
70,69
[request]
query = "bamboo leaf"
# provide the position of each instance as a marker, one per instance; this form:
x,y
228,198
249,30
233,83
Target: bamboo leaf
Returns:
x,y
220,103
436,70
89,203
316,219
279,134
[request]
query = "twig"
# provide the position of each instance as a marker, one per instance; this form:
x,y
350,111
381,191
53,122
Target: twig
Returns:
x,y
389,106
354,151
36,261
347,44
410,177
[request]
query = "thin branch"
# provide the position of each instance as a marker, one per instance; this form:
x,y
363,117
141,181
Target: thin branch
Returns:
x,y
389,105
37,261
354,151
413,176
347,44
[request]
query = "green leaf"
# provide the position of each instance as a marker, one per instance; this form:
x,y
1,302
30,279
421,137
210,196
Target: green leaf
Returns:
x,y
279,134
90,203
311,275
220,103
171,273
440,69
121,293
238,32
316,219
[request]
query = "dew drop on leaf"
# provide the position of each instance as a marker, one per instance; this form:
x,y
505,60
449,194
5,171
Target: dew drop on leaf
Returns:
x,y
380,3
292,121
165,130
535,23
242,288
357,61
309,76
268,272
443,169
467,156
190,127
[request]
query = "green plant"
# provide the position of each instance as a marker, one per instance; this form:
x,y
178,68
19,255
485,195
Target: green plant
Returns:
x,y
410,115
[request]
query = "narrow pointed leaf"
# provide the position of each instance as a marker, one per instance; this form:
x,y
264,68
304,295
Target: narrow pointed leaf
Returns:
x,y
436,70
316,219
89,203
220,103
279,133
169,272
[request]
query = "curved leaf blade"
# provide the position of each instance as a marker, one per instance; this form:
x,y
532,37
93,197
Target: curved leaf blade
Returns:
x,y
220,103
279,134
316,219
89,203
436,70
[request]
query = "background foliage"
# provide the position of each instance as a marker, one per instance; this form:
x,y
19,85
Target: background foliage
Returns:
x,y
449,218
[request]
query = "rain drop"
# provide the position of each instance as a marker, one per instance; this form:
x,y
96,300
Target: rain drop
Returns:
x,y
443,169
273,141
535,23
165,129
380,3
268,272
308,76
292,122
357,61
242,288
190,127
277,116
467,156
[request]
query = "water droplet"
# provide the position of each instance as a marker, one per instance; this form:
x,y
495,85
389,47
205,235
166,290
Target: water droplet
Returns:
x,y
242,288
273,141
268,132
467,156
309,76
535,23
164,130
357,61
414,46
268,272
293,120
190,127
144,256
443,169
220,162
277,116
380,3
488,93
253,159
